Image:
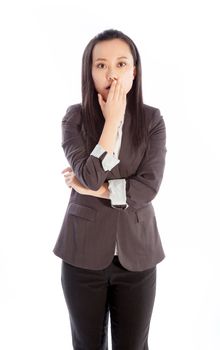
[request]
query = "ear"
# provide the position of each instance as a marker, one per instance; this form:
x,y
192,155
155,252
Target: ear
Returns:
x,y
134,72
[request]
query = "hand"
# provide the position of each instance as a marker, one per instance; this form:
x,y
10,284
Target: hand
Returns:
x,y
113,109
72,182
69,178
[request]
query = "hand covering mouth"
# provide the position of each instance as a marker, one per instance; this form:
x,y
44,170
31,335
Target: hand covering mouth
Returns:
x,y
109,85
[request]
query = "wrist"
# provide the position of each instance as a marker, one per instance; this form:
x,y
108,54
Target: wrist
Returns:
x,y
113,122
102,189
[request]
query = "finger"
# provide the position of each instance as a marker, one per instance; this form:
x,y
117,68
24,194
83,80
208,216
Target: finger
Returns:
x,y
69,174
121,92
117,90
101,101
66,169
124,97
120,89
68,182
68,177
112,90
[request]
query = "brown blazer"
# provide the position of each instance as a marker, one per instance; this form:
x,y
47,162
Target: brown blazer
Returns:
x,y
91,225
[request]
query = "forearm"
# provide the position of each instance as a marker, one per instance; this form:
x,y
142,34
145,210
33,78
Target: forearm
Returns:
x,y
102,192
108,136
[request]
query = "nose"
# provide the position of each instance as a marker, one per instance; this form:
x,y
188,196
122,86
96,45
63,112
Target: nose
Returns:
x,y
111,75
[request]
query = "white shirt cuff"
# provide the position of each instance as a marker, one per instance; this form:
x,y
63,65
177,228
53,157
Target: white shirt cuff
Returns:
x,y
117,189
109,161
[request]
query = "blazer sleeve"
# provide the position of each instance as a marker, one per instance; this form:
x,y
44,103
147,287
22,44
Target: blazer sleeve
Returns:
x,y
90,169
144,185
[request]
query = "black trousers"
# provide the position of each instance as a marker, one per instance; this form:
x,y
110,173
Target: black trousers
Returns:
x,y
91,295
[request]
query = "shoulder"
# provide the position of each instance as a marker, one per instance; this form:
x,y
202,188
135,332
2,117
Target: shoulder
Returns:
x,y
152,115
73,114
151,111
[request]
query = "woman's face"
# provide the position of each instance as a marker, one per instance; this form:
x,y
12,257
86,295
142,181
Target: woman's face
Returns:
x,y
112,59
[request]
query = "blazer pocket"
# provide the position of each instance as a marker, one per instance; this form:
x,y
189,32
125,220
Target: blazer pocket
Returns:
x,y
83,212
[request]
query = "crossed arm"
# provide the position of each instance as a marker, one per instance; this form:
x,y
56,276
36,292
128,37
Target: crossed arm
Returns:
x,y
73,182
88,173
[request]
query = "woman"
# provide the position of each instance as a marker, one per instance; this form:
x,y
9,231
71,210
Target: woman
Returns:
x,y
109,242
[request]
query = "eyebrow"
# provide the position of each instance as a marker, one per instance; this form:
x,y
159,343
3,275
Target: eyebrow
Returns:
x,y
118,58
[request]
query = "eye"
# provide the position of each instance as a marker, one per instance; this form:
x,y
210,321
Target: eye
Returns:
x,y
100,65
122,64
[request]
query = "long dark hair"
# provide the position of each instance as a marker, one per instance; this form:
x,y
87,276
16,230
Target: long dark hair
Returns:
x,y
93,120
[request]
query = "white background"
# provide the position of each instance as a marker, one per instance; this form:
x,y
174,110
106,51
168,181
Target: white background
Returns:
x,y
41,49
